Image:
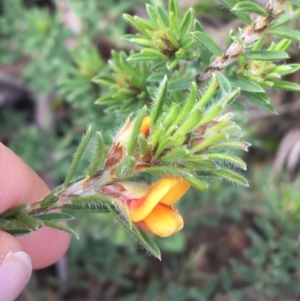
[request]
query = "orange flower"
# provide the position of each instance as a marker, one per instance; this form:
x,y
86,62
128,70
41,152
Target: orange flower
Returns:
x,y
153,211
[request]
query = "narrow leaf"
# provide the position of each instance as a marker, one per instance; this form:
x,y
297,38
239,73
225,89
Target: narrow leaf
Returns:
x,y
152,14
13,210
143,144
125,167
245,84
206,41
285,85
224,82
136,130
231,176
186,24
28,220
164,16
229,3
189,104
179,84
3,223
79,208
55,216
97,155
49,200
91,201
81,147
18,232
61,227
159,100
227,158
287,33
143,239
249,7
175,155
258,99
266,55
173,7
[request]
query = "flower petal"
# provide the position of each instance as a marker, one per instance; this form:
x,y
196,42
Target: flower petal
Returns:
x,y
162,221
167,190
179,188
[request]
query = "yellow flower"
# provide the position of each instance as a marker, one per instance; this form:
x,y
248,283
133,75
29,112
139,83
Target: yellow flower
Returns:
x,y
153,211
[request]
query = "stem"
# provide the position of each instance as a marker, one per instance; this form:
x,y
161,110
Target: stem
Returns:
x,y
250,35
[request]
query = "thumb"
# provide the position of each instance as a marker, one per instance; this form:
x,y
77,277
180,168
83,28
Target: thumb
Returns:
x,y
15,267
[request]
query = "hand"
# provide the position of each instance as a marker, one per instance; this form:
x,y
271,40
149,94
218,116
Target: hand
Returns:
x,y
20,184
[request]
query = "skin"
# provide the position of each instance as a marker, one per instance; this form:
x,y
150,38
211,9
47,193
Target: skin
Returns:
x,y
20,184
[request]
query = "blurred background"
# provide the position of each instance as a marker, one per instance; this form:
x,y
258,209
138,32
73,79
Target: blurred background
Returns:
x,y
237,244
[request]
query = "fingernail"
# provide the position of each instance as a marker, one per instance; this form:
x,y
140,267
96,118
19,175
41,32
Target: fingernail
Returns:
x,y
15,272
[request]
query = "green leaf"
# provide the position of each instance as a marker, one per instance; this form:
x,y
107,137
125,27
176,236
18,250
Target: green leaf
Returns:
x,y
285,85
198,26
197,183
136,130
61,227
187,126
159,100
164,16
266,55
3,223
260,100
188,105
209,92
18,232
173,7
224,83
28,220
149,244
97,154
143,143
152,14
49,200
92,201
146,54
156,77
79,208
231,176
233,96
171,116
172,63
287,69
229,3
223,157
245,84
142,42
206,41
125,167
176,172
174,25
208,142
179,84
287,33
186,24
175,155
55,216
13,210
284,18
139,235
81,147
249,7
